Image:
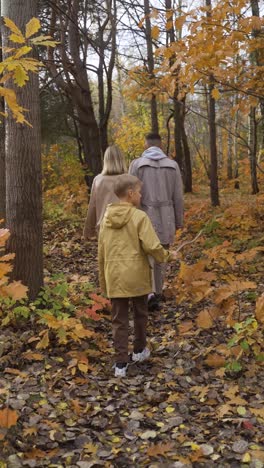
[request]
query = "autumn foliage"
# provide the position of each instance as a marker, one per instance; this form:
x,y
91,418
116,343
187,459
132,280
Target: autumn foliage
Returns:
x,y
14,289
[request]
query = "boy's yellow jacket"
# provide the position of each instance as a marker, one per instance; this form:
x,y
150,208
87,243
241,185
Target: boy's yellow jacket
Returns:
x,y
126,239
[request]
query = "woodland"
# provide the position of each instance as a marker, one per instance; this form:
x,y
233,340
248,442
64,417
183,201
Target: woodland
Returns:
x,y
75,77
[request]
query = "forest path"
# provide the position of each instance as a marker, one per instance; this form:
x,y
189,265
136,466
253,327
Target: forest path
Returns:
x,y
176,410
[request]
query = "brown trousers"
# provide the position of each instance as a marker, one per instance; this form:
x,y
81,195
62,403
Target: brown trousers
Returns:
x,y
120,318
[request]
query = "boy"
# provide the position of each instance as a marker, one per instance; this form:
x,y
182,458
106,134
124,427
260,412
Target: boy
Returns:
x,y
126,239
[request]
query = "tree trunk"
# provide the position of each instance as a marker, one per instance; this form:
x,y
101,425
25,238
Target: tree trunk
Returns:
x,y
212,135
76,86
229,155
2,167
213,149
2,154
150,60
256,59
23,170
253,150
188,163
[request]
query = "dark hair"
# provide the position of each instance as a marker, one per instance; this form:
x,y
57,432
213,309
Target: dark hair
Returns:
x,y
153,136
124,183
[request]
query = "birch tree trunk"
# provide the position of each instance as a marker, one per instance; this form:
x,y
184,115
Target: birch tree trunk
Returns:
x,y
23,170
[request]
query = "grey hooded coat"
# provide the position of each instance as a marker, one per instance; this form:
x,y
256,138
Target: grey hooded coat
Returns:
x,y
162,191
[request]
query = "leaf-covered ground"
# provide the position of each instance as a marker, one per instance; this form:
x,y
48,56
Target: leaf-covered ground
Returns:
x,y
180,409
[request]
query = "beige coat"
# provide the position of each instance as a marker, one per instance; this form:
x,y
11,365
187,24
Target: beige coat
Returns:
x,y
102,193
126,239
162,192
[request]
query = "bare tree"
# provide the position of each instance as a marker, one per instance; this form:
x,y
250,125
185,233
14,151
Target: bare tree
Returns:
x,y
87,35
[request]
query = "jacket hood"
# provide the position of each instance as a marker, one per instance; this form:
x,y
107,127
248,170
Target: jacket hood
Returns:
x,y
117,215
154,152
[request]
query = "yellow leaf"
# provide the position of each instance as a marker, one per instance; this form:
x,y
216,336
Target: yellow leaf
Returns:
x,y
32,27
246,458
83,367
44,41
17,39
216,93
90,448
20,76
8,418
259,412
44,342
12,26
170,409
22,51
155,32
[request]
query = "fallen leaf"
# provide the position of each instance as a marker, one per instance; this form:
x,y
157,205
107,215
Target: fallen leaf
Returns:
x,y
8,418
214,360
159,449
148,435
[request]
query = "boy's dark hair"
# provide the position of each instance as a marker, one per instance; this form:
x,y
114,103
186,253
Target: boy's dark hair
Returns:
x,y
153,139
124,183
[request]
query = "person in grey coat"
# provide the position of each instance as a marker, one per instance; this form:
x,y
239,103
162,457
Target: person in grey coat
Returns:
x,y
162,200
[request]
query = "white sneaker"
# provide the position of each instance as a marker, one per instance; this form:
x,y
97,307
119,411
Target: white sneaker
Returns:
x,y
140,357
120,372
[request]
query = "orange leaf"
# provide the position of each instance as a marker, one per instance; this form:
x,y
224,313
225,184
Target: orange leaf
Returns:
x,y
214,360
155,32
185,327
33,356
260,309
9,370
204,319
16,290
8,418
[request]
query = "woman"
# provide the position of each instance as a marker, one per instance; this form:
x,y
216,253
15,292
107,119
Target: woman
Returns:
x,y
102,191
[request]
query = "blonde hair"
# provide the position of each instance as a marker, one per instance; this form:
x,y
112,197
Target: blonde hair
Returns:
x,y
124,183
114,161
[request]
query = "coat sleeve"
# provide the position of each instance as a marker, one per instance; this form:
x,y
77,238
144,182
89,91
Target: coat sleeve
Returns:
x,y
101,263
90,222
178,198
150,242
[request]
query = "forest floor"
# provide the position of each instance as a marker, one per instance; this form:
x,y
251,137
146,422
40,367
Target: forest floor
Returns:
x,y
182,408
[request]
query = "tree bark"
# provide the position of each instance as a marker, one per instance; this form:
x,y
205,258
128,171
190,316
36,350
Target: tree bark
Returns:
x,y
150,61
2,153
258,59
2,167
214,191
23,171
76,85
253,150
229,155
